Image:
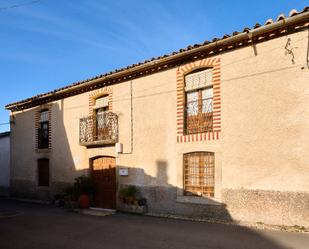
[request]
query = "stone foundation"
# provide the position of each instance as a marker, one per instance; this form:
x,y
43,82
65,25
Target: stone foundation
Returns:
x,y
30,190
269,207
163,200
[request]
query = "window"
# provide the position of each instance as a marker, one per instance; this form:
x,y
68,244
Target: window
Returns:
x,y
43,131
199,101
101,107
199,173
43,172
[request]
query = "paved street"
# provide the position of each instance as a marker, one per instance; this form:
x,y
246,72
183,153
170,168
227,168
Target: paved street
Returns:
x,y
41,226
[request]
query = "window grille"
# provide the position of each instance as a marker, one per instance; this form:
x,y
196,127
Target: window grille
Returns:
x,y
198,80
44,116
43,130
199,102
199,173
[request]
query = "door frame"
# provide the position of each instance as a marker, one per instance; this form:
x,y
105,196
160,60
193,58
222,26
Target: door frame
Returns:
x,y
91,159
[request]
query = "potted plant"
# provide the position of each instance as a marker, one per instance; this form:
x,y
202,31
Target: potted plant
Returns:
x,y
128,194
84,189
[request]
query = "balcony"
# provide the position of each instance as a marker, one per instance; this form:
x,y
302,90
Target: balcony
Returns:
x,y
98,130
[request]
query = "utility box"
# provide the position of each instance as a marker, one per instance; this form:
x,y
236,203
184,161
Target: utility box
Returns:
x,y
118,148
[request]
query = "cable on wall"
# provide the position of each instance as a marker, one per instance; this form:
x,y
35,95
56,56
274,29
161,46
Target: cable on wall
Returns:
x,y
131,114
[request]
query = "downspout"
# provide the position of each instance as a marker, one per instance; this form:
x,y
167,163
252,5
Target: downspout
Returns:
x,y
131,122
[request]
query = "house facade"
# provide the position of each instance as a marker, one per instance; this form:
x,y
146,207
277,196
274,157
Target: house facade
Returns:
x,y
4,163
217,130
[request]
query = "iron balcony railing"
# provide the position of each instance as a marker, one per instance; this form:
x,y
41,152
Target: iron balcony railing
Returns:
x,y
99,129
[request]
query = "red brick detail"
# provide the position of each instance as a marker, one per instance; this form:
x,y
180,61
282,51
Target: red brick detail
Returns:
x,y
215,63
37,114
96,94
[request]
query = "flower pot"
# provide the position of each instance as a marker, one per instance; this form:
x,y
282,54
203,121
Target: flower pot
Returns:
x,y
83,201
130,200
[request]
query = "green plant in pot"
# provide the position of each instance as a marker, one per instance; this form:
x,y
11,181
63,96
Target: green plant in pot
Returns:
x,y
84,189
128,194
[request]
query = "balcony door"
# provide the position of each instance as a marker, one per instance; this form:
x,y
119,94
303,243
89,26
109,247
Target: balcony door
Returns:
x,y
101,126
104,179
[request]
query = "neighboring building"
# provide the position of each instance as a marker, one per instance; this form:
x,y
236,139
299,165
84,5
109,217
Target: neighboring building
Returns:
x,y
4,163
215,130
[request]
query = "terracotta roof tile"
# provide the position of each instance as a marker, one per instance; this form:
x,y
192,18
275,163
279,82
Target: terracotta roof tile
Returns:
x,y
269,21
280,17
190,47
293,12
257,25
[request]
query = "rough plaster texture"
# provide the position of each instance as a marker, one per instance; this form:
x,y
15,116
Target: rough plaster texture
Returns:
x,y
263,146
4,165
270,207
265,118
163,200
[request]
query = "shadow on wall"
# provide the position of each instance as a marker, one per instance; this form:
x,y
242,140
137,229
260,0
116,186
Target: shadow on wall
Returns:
x,y
166,198
162,197
25,155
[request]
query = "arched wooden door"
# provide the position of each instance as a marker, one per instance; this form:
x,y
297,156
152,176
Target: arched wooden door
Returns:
x,y
104,179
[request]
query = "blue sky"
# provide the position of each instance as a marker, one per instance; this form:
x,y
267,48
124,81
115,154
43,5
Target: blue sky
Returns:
x,y
53,43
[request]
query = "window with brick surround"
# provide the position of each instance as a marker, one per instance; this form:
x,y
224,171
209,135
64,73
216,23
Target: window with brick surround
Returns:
x,y
199,173
43,172
199,101
100,110
43,130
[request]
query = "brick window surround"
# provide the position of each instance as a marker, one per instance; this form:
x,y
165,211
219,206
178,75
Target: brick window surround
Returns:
x,y
105,91
215,64
37,117
99,93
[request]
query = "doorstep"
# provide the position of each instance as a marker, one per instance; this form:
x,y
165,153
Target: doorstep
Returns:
x,y
97,211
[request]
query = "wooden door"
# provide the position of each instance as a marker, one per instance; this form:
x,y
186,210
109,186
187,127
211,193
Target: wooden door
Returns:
x,y
104,179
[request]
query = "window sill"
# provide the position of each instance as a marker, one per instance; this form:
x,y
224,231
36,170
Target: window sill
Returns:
x,y
199,200
45,150
43,187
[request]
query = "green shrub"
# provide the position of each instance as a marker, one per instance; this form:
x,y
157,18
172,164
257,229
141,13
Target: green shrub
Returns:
x,y
83,185
129,191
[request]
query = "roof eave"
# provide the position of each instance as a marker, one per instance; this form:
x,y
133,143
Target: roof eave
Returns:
x,y
293,20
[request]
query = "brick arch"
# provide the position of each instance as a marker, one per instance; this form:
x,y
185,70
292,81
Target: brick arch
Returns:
x,y
99,93
215,63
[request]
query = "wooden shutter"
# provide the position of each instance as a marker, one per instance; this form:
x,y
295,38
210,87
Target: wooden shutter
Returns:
x,y
199,173
43,172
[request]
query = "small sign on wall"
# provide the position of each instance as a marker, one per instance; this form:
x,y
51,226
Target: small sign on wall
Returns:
x,y
123,171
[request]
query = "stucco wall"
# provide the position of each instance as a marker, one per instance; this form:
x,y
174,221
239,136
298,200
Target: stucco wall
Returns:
x,y
4,164
265,118
262,145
